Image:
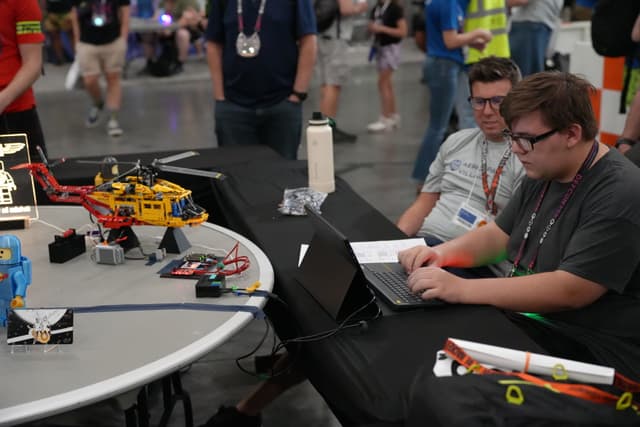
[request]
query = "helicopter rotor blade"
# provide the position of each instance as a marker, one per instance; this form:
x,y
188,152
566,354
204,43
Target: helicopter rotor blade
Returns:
x,y
42,156
118,177
175,157
44,159
57,162
101,162
187,171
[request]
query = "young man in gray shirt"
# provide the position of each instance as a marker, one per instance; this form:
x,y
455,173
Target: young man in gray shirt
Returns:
x,y
474,174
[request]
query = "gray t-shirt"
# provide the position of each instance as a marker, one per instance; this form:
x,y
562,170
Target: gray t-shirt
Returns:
x,y
456,175
597,237
544,11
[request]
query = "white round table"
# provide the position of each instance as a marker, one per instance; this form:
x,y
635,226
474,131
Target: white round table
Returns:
x,y
115,352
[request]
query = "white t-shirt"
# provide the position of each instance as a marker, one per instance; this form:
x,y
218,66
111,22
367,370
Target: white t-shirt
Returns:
x,y
456,174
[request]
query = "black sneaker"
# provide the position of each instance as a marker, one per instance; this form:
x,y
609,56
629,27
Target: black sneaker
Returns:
x,y
228,416
342,136
177,68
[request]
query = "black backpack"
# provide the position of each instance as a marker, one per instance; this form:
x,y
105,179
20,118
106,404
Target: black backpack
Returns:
x,y
326,12
167,62
611,25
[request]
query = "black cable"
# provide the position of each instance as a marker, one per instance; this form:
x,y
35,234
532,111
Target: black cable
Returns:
x,y
255,349
303,339
331,332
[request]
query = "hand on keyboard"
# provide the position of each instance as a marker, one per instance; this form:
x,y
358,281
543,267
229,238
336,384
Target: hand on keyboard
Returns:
x,y
434,282
419,256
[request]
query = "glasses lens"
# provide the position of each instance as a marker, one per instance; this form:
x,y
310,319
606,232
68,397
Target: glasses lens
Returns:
x,y
523,143
496,101
477,103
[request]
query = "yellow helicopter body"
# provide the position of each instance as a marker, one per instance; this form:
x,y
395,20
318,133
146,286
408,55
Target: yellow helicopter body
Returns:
x,y
164,204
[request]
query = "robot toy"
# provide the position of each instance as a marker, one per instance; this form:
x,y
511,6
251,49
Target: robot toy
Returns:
x,y
15,275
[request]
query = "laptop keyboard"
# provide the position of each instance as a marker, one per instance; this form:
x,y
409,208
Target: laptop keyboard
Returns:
x,y
397,283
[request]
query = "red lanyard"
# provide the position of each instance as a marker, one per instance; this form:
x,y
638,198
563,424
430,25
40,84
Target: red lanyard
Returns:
x,y
490,193
258,25
563,202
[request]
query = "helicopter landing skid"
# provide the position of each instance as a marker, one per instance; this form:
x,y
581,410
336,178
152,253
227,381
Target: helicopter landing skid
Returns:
x,y
124,236
174,241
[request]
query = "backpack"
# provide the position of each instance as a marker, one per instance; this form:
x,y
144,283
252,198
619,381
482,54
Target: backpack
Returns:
x,y
611,25
326,12
166,63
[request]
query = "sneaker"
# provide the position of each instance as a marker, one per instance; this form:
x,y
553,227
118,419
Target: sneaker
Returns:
x,y
396,120
176,68
383,124
228,416
113,128
342,136
93,118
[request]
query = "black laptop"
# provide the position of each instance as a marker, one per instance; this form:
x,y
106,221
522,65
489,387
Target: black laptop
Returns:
x,y
331,273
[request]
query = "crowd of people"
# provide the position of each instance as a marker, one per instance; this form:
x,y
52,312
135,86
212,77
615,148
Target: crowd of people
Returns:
x,y
521,208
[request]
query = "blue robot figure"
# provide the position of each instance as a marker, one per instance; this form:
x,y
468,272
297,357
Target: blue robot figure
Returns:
x,y
15,275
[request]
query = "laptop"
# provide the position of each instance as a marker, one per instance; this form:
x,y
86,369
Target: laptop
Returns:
x,y
330,272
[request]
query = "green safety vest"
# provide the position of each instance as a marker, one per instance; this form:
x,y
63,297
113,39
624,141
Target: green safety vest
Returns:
x,y
490,15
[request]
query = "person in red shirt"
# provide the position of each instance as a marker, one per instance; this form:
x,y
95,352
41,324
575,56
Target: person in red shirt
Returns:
x,y
21,41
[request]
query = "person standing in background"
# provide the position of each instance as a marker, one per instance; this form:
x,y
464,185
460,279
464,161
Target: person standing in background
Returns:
x,y
333,62
21,41
488,15
628,141
58,21
100,29
532,23
389,27
261,57
445,75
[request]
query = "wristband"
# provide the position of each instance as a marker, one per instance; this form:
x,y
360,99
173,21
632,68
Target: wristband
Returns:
x,y
627,141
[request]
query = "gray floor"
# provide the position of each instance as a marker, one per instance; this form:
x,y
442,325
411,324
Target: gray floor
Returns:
x,y
176,112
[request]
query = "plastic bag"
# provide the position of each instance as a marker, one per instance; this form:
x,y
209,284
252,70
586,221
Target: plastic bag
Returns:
x,y
294,200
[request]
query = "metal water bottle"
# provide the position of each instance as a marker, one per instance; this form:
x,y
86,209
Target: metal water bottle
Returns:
x,y
320,154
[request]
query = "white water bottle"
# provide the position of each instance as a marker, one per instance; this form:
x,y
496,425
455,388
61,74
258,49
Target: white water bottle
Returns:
x,y
320,154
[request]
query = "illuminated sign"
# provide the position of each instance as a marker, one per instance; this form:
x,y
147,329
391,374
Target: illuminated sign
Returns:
x,y
17,190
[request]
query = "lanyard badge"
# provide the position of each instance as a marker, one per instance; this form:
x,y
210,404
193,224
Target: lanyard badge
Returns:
x,y
99,14
249,46
469,218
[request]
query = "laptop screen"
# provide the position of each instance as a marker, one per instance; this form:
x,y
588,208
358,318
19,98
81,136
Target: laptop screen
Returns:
x,y
331,273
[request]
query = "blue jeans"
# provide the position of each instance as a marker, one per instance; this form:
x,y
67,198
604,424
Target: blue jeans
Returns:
x,y
447,82
529,41
278,126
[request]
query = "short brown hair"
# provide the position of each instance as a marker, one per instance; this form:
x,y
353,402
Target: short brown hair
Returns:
x,y
493,69
561,98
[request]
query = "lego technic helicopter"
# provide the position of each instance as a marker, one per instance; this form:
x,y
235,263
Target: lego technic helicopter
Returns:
x,y
135,197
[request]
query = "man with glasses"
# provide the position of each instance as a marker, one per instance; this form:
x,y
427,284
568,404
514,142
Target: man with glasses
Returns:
x,y
570,234
474,174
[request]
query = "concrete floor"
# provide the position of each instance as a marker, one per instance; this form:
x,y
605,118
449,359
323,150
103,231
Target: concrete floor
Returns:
x,y
171,113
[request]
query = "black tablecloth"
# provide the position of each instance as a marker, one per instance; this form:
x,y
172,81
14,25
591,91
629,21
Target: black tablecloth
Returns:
x,y
364,373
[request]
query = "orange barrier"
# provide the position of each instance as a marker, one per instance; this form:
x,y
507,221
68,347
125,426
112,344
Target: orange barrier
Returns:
x,y
606,75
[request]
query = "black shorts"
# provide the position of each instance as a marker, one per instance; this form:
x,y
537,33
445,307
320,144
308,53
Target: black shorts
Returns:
x,y
25,122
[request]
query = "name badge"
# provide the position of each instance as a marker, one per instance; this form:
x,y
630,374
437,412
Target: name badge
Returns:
x,y
469,218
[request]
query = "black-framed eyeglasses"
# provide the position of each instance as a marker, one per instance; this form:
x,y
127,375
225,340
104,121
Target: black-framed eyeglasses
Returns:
x,y
526,142
478,103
